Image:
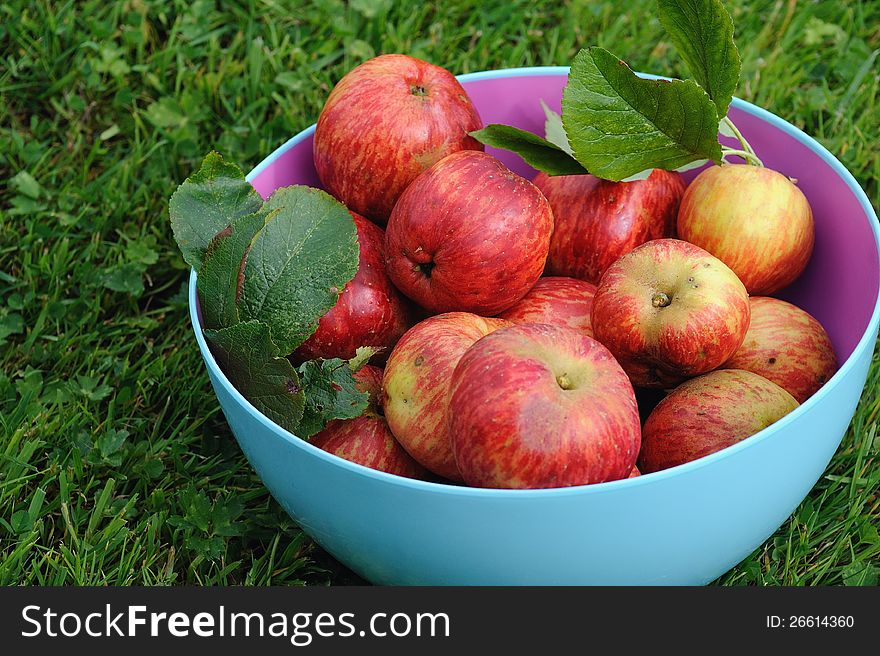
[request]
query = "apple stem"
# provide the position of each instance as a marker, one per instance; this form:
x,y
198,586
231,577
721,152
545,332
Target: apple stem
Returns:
x,y
564,382
747,153
660,300
750,158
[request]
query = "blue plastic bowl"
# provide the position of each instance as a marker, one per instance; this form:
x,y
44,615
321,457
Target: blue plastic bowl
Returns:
x,y
685,525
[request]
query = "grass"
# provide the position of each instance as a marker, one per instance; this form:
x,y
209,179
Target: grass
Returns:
x,y
116,466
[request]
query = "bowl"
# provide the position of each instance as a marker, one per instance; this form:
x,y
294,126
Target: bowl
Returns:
x,y
685,525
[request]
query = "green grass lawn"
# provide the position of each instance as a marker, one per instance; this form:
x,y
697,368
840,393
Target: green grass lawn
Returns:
x,y
116,465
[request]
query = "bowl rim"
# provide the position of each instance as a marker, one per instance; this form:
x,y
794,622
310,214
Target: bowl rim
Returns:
x,y
864,343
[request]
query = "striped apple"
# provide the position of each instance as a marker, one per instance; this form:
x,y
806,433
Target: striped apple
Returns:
x,y
540,406
668,310
367,440
558,301
753,219
416,385
786,345
369,312
468,235
709,413
597,221
384,123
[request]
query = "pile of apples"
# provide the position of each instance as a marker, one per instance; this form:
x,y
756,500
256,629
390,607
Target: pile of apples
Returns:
x,y
523,321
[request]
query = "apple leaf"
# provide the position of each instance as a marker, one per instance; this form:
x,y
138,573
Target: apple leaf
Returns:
x,y
619,124
702,32
362,356
207,202
220,277
251,361
554,131
330,393
298,264
697,163
725,129
644,175
535,151
641,175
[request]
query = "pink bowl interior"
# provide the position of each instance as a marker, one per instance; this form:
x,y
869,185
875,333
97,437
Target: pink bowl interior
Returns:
x,y
839,286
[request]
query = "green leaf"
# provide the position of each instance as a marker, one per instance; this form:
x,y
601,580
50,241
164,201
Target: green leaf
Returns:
x,y
554,131
702,32
10,324
111,442
198,512
725,129
166,113
371,8
207,202
141,252
362,356
619,124
641,175
219,279
860,574
21,522
330,393
25,184
298,264
126,278
250,360
92,388
535,151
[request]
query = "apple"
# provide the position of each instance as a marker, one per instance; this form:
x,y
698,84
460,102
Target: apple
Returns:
x,y
538,406
384,123
416,385
367,440
709,413
786,345
369,312
558,301
634,472
668,310
753,219
597,221
468,235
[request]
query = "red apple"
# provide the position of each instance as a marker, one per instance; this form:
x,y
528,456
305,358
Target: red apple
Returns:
x,y
668,310
416,386
753,219
635,472
468,235
597,221
709,413
384,123
367,440
786,345
557,301
537,406
369,312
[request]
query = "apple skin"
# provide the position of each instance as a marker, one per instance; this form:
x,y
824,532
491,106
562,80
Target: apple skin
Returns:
x,y
416,385
597,221
384,123
558,301
468,235
370,311
635,472
367,440
668,311
786,345
753,219
539,406
709,413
